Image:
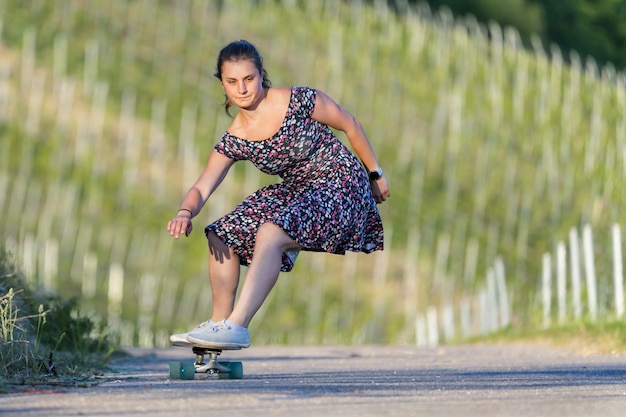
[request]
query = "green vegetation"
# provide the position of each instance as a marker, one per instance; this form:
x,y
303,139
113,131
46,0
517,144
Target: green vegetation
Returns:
x,y
526,16
581,337
43,337
593,28
108,111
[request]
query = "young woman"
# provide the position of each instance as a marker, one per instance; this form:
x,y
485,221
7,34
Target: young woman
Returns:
x,y
326,201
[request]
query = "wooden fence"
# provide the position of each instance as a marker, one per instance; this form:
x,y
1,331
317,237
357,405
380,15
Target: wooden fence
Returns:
x,y
566,275
451,271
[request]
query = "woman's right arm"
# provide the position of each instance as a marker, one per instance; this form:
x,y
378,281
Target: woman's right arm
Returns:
x,y
216,168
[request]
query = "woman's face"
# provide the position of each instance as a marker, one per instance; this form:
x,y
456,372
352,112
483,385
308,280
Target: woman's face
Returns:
x,y
242,82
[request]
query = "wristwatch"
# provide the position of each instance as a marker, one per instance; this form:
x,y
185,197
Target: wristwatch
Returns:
x,y
375,175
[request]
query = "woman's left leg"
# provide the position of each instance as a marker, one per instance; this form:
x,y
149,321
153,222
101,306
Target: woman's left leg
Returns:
x,y
271,242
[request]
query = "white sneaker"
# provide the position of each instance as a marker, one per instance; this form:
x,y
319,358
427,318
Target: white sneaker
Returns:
x,y
180,339
221,335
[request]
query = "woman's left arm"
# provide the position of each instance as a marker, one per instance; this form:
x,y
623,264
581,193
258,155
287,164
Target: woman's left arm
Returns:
x,y
327,111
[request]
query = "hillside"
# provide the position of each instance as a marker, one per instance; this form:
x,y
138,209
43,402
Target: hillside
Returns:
x,y
108,110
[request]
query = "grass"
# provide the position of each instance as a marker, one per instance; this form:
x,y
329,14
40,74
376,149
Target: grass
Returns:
x,y
581,337
44,339
487,146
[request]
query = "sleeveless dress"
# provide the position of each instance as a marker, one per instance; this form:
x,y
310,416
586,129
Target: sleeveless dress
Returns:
x,y
324,201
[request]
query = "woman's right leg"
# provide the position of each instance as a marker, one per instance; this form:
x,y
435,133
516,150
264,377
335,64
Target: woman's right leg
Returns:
x,y
271,242
224,277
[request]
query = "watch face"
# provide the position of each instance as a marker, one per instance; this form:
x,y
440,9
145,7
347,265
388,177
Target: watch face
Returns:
x,y
374,175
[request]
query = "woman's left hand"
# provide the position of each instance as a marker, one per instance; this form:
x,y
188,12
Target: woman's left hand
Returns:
x,y
380,189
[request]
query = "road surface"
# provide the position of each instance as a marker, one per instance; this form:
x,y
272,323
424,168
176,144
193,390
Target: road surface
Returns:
x,y
481,381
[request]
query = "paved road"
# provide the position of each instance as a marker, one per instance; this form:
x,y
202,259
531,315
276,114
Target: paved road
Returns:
x,y
519,380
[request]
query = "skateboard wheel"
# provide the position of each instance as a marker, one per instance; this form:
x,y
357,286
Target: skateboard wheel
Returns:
x,y
235,368
182,370
187,370
175,370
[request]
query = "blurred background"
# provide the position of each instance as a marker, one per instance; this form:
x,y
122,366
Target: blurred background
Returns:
x,y
500,125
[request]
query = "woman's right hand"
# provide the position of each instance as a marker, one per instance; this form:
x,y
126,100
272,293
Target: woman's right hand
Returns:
x,y
179,225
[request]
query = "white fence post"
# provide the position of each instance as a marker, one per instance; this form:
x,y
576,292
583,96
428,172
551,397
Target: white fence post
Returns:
x,y
491,302
484,311
115,295
432,326
618,271
50,265
449,332
29,257
590,273
503,301
576,273
561,291
421,331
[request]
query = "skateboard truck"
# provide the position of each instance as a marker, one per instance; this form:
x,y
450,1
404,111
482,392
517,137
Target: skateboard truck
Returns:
x,y
213,366
223,369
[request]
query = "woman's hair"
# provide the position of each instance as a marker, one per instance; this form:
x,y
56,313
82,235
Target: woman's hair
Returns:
x,y
236,51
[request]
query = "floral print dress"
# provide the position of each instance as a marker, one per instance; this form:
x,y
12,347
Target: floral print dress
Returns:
x,y
324,201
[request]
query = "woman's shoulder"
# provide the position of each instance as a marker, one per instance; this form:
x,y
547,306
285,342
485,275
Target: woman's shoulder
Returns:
x,y
280,91
304,97
296,99
278,98
294,90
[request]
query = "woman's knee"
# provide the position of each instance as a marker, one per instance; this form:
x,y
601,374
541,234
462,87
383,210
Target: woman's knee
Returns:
x,y
218,248
270,233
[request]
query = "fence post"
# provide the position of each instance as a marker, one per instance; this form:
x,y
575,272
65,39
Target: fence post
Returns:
x,y
449,332
90,74
348,293
59,63
491,302
503,301
466,318
35,101
5,93
432,326
590,273
29,40
379,278
421,332
148,285
484,311
89,276
115,295
561,271
50,265
618,271
575,267
29,257
410,279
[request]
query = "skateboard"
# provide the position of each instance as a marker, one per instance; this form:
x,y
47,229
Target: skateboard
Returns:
x,y
223,369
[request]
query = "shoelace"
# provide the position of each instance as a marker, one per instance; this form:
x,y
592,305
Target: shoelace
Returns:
x,y
202,325
220,325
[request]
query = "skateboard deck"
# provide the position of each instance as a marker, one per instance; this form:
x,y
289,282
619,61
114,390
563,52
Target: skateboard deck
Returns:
x,y
223,369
